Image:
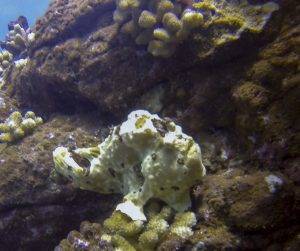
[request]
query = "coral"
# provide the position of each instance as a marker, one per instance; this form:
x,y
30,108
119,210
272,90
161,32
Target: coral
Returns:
x,y
18,38
119,232
5,61
168,23
17,127
123,225
144,157
251,94
21,63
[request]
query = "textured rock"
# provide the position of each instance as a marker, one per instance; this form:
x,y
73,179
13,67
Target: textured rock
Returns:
x,y
80,56
245,100
32,206
7,106
248,202
241,209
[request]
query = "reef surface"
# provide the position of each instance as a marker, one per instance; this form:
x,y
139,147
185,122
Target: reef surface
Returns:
x,y
239,102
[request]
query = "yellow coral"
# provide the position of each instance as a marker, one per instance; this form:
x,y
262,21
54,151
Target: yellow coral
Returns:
x,y
163,7
130,28
118,233
192,19
171,22
16,127
121,244
147,19
160,48
121,224
205,5
162,34
229,20
128,4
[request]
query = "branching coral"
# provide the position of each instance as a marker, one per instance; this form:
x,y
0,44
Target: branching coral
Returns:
x,y
163,24
144,157
119,232
17,127
15,47
5,61
18,40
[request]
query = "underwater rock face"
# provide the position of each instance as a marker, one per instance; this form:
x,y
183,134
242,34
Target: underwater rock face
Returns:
x,y
237,205
163,25
80,55
246,96
7,106
32,206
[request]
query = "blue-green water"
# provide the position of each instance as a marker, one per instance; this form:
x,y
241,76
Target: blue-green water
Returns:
x,y
11,9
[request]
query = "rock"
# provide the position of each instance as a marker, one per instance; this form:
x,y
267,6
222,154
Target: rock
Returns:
x,y
7,106
242,210
80,58
34,211
244,98
214,238
250,202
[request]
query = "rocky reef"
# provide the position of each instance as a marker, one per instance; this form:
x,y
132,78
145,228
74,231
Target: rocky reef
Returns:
x,y
162,25
32,205
235,91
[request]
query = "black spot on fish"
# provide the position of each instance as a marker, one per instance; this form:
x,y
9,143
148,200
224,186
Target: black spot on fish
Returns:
x,y
153,156
112,172
175,188
137,170
117,131
84,163
160,126
180,161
